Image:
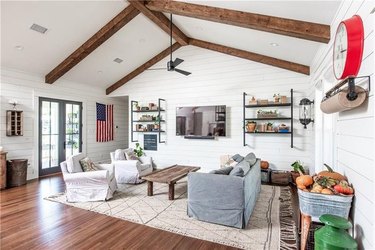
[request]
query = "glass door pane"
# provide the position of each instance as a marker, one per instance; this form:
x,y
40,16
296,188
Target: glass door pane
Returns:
x,y
49,134
72,128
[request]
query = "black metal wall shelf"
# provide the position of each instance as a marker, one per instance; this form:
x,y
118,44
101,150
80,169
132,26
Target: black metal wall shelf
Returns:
x,y
268,105
273,118
156,131
147,111
280,105
159,111
140,121
268,132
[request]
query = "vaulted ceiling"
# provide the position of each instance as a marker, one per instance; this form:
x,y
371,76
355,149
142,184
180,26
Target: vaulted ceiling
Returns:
x,y
84,38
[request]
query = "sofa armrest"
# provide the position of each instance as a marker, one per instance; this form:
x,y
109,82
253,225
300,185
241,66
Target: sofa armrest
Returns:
x,y
215,190
126,164
109,167
91,177
146,160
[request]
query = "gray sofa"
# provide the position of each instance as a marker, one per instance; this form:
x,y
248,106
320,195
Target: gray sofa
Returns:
x,y
225,199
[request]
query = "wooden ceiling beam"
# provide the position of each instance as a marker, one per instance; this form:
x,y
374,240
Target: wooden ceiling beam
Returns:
x,y
252,56
92,43
142,68
282,26
162,21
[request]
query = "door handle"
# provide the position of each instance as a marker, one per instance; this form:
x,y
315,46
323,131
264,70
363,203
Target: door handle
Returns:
x,y
64,145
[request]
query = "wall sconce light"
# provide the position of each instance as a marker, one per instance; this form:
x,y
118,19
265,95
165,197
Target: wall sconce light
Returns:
x,y
306,111
14,103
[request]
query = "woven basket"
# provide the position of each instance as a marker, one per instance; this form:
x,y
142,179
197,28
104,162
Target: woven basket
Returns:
x,y
315,204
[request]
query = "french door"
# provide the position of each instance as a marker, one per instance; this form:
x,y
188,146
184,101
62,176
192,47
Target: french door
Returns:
x,y
60,132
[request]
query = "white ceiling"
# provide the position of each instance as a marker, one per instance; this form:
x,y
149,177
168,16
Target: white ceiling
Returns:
x,y
71,24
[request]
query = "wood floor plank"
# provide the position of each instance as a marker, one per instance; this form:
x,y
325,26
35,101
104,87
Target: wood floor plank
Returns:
x,y
30,222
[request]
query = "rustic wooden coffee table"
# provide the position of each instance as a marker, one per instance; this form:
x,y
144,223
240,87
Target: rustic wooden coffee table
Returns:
x,y
169,175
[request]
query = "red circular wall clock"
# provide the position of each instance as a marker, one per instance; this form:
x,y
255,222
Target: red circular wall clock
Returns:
x,y
348,47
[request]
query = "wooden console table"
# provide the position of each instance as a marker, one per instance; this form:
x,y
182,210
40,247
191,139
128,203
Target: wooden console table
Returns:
x,y
3,170
169,175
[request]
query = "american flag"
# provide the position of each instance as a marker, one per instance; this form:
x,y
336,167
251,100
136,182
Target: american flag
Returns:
x,y
104,122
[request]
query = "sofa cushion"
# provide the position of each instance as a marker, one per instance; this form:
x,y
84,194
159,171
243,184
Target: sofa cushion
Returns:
x,y
87,165
237,158
120,155
224,171
251,158
237,171
72,163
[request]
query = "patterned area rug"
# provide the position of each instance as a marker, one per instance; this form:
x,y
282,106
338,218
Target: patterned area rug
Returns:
x,y
132,204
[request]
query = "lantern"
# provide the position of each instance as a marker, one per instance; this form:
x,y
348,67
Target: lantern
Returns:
x,y
306,111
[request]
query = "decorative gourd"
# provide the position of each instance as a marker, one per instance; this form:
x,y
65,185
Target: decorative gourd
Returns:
x,y
304,180
332,174
326,191
264,164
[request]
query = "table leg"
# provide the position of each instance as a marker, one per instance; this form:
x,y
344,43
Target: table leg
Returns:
x,y
150,188
305,227
171,191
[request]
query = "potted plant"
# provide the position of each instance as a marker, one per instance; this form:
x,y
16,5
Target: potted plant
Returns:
x,y
157,123
250,126
138,150
276,97
269,126
298,170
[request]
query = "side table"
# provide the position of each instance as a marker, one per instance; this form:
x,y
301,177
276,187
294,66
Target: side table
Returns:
x,y
3,170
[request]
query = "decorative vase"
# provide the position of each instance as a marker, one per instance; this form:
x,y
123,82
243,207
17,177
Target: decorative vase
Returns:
x,y
277,99
284,99
251,127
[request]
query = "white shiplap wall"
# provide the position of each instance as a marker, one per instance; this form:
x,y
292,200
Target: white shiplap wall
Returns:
x,y
26,88
219,79
354,130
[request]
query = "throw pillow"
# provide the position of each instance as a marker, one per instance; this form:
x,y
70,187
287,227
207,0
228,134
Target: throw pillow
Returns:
x,y
119,155
231,163
72,163
87,165
251,158
237,158
130,156
224,171
237,171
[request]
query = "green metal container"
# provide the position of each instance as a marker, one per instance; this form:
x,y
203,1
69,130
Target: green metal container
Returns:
x,y
334,235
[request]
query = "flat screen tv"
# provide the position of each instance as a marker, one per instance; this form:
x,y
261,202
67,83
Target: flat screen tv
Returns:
x,y
201,121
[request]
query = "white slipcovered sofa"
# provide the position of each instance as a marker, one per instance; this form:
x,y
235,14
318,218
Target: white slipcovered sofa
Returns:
x,y
130,171
88,186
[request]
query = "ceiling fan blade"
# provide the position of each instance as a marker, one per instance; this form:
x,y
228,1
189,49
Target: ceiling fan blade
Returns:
x,y
157,69
177,61
182,72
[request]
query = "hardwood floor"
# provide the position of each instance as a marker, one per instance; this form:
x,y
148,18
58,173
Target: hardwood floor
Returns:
x,y
30,222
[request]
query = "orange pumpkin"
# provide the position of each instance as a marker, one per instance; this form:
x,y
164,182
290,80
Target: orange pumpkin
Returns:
x,y
304,180
264,164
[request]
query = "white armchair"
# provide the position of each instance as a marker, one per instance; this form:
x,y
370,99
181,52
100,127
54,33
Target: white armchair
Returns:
x,y
130,171
91,185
